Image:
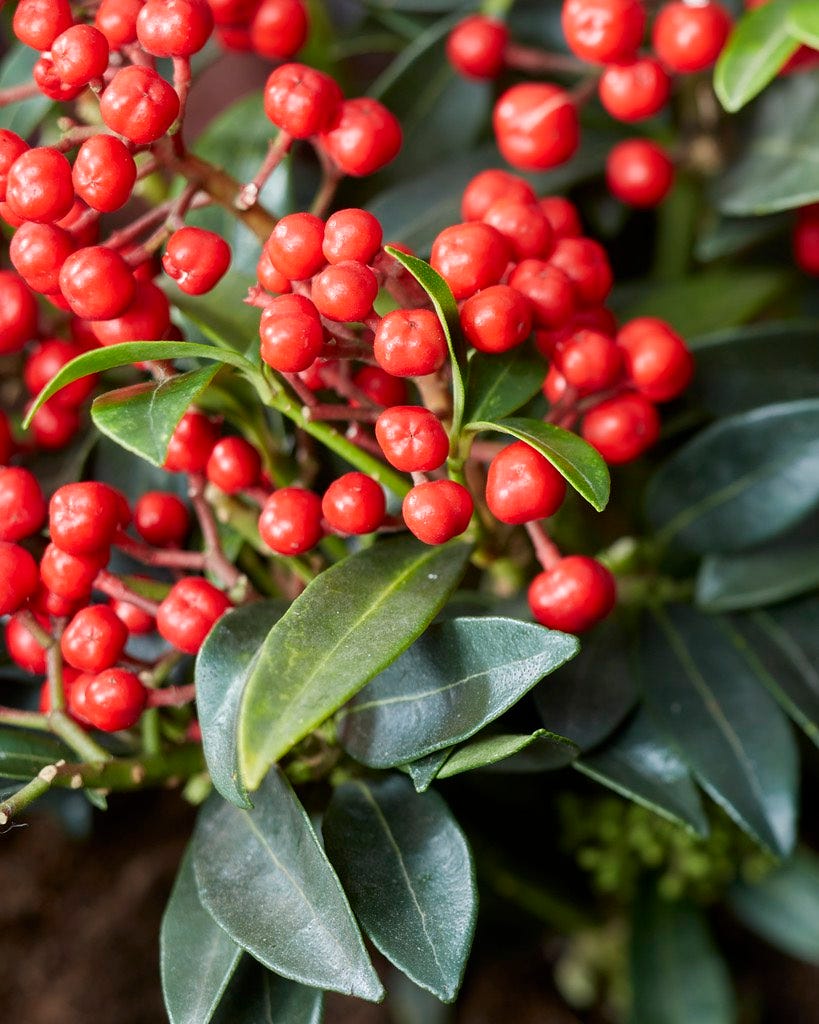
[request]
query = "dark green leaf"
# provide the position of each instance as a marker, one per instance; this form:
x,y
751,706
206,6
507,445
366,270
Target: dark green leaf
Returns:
x,y
677,973
461,675
258,996
741,369
143,417
803,22
264,877
758,47
498,385
741,481
197,959
223,666
24,752
712,704
408,871
639,764
571,456
593,694
348,625
728,583
494,751
425,769
784,907
16,69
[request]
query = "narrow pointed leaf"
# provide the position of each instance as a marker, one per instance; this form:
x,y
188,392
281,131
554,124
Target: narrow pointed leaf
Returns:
x,y
493,751
425,769
23,752
348,625
499,385
224,664
197,958
639,764
408,871
258,996
571,456
461,675
760,44
263,876
710,701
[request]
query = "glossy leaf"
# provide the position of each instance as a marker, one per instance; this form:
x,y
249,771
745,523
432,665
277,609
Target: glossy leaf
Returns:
x,y
639,764
227,659
447,310
460,676
23,752
758,47
593,694
408,871
498,385
258,996
263,876
571,456
143,417
494,751
803,22
348,625
677,973
784,907
774,573
197,958
741,481
710,701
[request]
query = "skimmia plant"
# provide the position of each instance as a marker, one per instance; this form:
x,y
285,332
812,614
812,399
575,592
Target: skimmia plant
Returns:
x,y
424,452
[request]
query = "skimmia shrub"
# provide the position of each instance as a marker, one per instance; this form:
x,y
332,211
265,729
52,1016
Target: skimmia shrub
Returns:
x,y
423,448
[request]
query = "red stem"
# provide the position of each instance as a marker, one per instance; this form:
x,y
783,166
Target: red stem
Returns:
x,y
115,588
172,696
546,551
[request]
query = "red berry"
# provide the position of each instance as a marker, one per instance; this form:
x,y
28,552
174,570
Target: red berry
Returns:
x,y
104,173
196,259
117,19
476,46
689,38
562,216
363,138
23,648
345,292
191,443
469,257
291,334
7,444
603,30
524,225
806,240
189,612
294,246
290,522
351,235
522,485
139,105
38,252
18,577
271,279
37,23
622,428
38,185
113,699
300,100
658,363
97,283
488,187
71,576
412,438
83,517
22,505
410,343
639,172
18,313
379,386
634,91
80,54
279,28
44,362
354,504
11,146
147,318
174,28
574,595
589,361
50,84
497,319
549,291
437,511
136,620
162,519
234,465
94,639
586,264
70,678
536,126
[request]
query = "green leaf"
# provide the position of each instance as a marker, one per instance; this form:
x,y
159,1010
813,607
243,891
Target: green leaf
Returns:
x,y
196,958
571,456
741,481
460,676
784,907
348,625
710,701
23,752
225,662
677,973
143,417
639,764
741,369
803,22
594,693
258,996
759,46
408,871
494,751
776,168
263,876
498,385
447,310
111,356
16,69
424,771
777,572
728,236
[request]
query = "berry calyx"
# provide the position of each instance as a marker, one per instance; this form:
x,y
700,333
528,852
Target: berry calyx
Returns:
x,y
354,504
80,54
139,105
290,522
574,595
437,511
412,438
522,485
189,612
94,639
